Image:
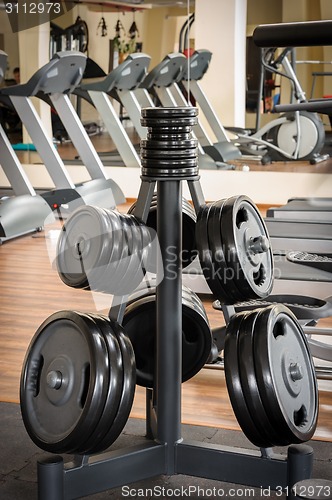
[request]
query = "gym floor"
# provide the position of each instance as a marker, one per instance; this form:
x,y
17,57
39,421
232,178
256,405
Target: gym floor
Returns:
x,y
31,290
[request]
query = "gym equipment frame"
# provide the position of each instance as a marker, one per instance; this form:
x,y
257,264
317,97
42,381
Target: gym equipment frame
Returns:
x,y
165,451
25,212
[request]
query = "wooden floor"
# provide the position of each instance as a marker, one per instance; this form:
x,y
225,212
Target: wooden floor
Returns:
x,y
31,290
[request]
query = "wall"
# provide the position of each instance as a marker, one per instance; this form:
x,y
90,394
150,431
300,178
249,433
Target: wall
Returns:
x,y
215,184
220,26
158,30
10,45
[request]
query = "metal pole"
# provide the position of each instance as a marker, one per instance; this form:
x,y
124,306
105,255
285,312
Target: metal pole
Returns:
x,y
300,464
169,317
50,474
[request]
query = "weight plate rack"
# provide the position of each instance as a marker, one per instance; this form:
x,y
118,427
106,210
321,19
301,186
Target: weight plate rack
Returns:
x,y
169,157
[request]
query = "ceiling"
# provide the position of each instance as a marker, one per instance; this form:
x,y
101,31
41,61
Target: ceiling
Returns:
x,y
141,3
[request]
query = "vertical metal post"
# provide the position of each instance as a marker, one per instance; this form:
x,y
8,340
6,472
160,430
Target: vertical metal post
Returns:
x,y
169,317
300,464
50,475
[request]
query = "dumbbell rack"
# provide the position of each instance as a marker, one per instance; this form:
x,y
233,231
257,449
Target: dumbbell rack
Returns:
x,y
165,451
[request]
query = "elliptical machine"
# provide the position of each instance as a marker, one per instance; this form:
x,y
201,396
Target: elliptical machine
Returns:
x,y
298,135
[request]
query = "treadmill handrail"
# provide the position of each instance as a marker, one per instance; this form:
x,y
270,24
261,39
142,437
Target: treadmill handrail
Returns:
x,y
198,65
60,75
127,76
167,72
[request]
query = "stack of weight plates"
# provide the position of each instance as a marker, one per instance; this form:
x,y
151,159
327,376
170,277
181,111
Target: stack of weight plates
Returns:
x,y
102,250
77,383
234,250
169,150
270,377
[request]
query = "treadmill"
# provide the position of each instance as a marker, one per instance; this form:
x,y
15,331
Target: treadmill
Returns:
x,y
25,212
128,74
54,82
164,80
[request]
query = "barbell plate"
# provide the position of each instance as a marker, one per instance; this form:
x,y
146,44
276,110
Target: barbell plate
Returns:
x,y
205,254
233,381
63,382
177,113
149,288
139,323
114,392
107,277
188,232
128,387
285,374
175,173
168,153
138,255
82,244
249,252
222,272
249,383
115,270
176,143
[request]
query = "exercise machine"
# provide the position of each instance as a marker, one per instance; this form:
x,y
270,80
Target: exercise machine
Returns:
x,y
292,136
25,212
54,81
127,76
314,209
164,80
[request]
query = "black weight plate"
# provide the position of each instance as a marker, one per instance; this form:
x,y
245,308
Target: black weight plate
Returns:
x,y
168,154
148,241
189,295
115,387
196,339
97,274
84,243
128,388
241,224
249,383
171,113
285,374
189,251
174,173
204,252
169,143
188,232
222,272
133,273
141,251
233,381
114,271
143,239
139,323
183,132
175,136
128,266
63,382
171,164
